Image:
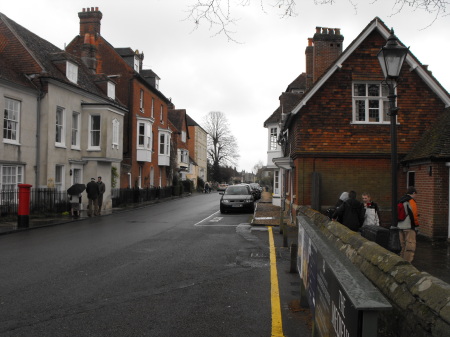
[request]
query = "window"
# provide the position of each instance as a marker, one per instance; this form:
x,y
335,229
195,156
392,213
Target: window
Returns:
x,y
111,90
152,177
59,175
184,156
11,121
10,177
136,64
276,182
115,133
94,132
183,136
75,130
72,72
273,138
76,176
153,108
370,103
164,144
60,127
141,101
145,135
411,179
161,116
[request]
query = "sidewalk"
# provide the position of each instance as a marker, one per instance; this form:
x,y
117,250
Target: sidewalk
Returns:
x,y
432,257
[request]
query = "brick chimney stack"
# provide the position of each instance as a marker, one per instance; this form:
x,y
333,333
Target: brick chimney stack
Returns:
x,y
90,31
309,54
90,21
326,46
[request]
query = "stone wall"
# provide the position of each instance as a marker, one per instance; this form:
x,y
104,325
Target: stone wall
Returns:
x,y
421,302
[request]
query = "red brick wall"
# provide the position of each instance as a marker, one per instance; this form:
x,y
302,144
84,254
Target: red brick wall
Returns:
x,y
357,156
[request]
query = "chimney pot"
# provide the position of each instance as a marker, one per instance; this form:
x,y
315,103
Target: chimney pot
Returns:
x,y
84,10
96,9
92,9
318,30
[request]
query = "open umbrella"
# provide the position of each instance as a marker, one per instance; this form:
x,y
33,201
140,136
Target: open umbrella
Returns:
x,y
76,189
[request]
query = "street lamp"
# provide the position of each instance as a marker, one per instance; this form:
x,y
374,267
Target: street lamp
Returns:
x,y
391,58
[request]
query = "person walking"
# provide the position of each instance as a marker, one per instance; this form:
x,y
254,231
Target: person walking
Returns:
x,y
101,187
372,214
92,191
351,212
407,227
75,205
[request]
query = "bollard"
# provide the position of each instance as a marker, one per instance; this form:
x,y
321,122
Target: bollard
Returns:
x,y
285,235
294,253
23,212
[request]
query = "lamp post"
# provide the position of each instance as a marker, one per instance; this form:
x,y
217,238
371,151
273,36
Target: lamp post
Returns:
x,y
391,58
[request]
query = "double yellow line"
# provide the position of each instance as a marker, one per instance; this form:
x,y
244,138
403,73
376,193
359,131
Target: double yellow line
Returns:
x,y
277,323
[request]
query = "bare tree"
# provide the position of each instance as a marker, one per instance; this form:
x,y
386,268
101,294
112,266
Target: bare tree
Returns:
x,y
222,145
218,14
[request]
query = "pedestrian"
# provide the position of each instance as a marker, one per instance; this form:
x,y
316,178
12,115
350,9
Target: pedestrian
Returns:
x,y
351,212
92,191
372,213
75,205
330,211
407,227
101,187
206,187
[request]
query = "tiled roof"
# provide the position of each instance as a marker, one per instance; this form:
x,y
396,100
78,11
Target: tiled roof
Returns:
x,y
43,59
176,117
274,117
298,84
435,142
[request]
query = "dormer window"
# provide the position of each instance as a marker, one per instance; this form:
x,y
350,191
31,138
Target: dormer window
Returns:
x,y
72,72
111,90
157,83
136,63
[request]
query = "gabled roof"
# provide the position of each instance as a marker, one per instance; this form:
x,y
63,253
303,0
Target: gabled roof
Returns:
x,y
41,58
177,117
378,25
435,142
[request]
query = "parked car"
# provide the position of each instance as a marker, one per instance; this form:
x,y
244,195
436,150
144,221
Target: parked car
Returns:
x,y
237,198
222,187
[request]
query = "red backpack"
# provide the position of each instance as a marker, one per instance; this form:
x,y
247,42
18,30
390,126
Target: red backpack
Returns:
x,y
401,213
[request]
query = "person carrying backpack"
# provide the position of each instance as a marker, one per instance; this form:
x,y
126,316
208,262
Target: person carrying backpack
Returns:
x,y
351,212
407,227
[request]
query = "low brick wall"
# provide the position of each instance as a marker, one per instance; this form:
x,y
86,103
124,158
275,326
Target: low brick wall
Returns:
x,y
421,302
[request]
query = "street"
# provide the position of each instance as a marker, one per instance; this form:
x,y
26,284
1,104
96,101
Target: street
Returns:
x,y
178,268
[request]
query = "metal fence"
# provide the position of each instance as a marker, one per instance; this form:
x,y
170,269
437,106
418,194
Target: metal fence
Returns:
x,y
52,201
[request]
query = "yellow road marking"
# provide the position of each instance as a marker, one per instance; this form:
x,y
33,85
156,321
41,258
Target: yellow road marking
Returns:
x,y
277,324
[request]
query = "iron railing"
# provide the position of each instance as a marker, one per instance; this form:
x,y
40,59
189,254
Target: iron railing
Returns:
x,y
50,201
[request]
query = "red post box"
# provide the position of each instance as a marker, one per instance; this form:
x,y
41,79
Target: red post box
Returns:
x,y
23,211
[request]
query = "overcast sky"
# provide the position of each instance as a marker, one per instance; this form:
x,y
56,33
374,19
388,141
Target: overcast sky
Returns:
x,y
202,73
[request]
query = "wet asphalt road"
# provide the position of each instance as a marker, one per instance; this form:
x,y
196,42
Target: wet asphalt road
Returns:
x,y
178,268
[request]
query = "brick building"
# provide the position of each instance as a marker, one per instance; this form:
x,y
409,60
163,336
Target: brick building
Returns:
x,y
336,137
146,141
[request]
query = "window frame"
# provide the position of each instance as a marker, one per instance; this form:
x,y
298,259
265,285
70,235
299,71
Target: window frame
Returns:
x,y
18,177
59,183
381,98
164,145
72,72
60,128
92,132
76,116
141,101
273,144
115,133
111,90
13,122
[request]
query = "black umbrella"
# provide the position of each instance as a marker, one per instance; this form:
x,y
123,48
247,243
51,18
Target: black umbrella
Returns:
x,y
76,189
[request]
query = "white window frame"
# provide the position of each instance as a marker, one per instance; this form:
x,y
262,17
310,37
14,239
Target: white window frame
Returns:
x,y
183,136
136,63
184,156
76,127
141,101
59,177
115,133
72,72
11,121
111,90
164,144
276,182
273,145
93,132
153,108
76,174
370,103
11,176
144,137
60,124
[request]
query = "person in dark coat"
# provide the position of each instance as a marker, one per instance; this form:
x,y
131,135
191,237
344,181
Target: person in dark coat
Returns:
x,y
93,192
351,212
101,187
